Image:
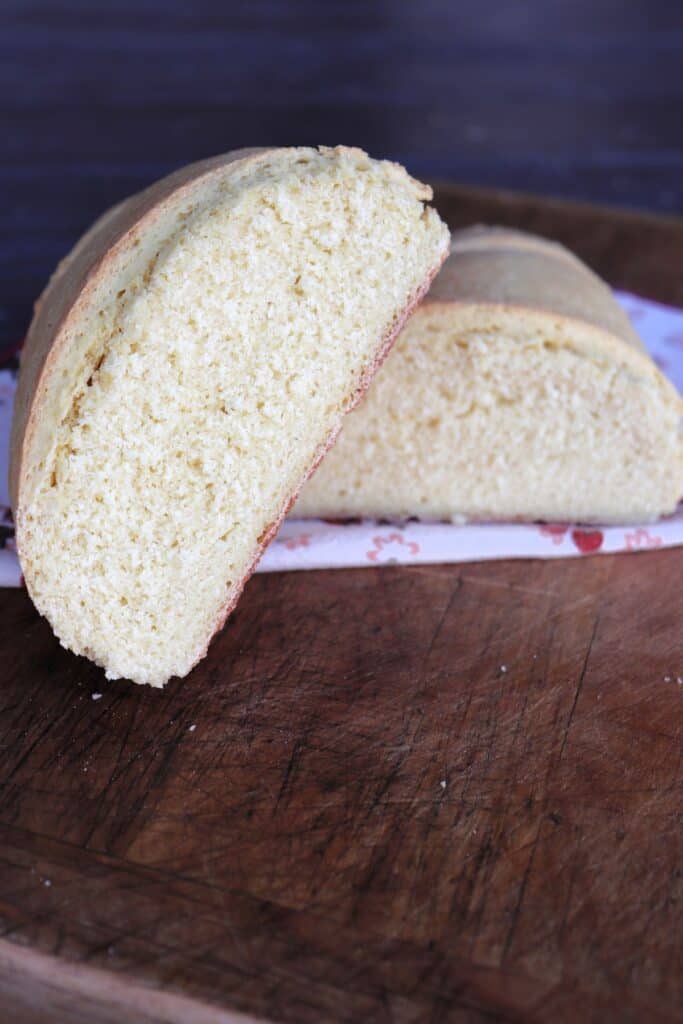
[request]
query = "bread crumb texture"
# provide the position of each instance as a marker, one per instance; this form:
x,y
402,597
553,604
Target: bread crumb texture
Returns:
x,y
196,381
487,413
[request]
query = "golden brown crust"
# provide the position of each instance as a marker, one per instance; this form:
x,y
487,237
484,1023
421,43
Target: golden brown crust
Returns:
x,y
499,266
482,236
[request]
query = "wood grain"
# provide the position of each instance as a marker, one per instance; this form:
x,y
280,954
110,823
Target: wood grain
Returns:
x,y
447,793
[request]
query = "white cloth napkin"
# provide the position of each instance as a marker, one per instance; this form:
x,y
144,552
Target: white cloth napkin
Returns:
x,y
318,544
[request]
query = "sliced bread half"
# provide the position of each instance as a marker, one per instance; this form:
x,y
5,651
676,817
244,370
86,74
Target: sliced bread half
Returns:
x,y
519,390
186,368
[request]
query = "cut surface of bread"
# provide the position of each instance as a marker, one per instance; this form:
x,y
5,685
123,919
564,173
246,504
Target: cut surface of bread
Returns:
x,y
188,364
519,390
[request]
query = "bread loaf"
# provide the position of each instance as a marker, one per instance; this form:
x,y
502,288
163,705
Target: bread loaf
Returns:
x,y
187,366
519,390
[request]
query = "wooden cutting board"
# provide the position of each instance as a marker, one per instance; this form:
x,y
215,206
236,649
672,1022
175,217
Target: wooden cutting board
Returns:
x,y
350,811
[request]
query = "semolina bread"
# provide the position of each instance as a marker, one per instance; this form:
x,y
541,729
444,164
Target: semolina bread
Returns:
x,y
519,390
187,366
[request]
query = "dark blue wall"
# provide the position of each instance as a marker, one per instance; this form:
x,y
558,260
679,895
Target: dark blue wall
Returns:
x,y
572,97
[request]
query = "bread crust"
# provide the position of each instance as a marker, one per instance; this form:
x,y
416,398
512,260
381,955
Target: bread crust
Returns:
x,y
499,266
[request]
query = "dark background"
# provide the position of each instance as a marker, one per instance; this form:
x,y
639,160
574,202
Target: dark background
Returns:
x,y
579,98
